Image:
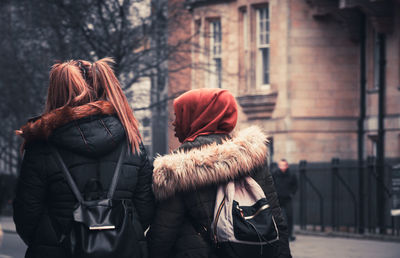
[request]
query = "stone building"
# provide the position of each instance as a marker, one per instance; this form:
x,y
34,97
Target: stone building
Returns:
x,y
320,76
139,98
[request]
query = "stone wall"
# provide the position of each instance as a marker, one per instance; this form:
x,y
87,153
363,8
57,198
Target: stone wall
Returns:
x,y
314,70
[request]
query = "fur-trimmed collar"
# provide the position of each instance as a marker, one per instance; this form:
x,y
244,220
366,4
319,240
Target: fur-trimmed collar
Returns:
x,y
211,164
41,128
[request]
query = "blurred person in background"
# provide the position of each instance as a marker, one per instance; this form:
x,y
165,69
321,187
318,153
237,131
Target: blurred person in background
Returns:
x,y
286,186
88,118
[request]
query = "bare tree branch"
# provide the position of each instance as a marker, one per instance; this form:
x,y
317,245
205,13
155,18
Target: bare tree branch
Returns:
x,y
35,33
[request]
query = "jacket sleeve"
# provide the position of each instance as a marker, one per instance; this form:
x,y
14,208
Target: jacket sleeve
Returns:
x,y
165,227
264,178
29,203
143,197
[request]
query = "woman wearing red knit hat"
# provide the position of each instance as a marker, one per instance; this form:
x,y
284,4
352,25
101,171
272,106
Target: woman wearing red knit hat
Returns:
x,y
186,181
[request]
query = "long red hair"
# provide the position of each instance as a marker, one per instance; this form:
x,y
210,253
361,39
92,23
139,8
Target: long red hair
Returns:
x,y
79,82
67,87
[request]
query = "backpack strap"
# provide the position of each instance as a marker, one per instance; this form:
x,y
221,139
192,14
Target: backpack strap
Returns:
x,y
71,181
67,175
205,231
117,171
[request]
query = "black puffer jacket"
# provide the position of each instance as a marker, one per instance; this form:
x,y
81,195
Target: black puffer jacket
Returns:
x,y
90,147
285,183
185,183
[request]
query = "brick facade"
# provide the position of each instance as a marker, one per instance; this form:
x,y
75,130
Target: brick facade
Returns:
x,y
311,105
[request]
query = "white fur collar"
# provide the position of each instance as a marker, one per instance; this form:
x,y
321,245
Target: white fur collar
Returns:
x,y
211,164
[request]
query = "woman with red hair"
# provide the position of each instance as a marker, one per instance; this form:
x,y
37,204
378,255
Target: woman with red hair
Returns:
x,y
88,120
185,182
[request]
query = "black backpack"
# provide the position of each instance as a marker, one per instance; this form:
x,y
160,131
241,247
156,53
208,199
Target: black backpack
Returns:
x,y
243,225
101,228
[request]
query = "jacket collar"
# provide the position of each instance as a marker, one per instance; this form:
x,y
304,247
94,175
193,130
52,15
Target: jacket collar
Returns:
x,y
41,127
210,164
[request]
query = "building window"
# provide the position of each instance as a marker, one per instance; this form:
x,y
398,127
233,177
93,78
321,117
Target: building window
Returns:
x,y
245,21
215,53
244,48
373,147
271,151
262,34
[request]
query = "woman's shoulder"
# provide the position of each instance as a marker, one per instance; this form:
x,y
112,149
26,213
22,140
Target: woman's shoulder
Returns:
x,y
211,164
36,147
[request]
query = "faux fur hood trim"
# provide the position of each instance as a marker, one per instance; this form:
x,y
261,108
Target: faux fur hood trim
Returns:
x,y
212,164
42,127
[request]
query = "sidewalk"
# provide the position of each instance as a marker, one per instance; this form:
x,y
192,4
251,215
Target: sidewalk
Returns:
x,y
335,247
366,236
7,224
305,246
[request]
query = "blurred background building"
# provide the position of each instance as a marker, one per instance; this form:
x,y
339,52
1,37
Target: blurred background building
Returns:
x,y
297,70
322,77
139,98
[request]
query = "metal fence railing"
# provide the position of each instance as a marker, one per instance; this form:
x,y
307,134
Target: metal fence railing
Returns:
x,y
328,198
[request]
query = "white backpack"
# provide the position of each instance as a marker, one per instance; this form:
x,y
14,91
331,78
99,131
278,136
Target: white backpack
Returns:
x,y
243,217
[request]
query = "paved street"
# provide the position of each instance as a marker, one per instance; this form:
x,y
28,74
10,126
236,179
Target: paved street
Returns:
x,y
303,247
331,247
12,246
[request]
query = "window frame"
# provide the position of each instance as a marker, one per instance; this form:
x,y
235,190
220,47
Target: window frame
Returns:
x,y
215,52
262,46
373,145
244,48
